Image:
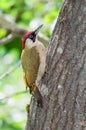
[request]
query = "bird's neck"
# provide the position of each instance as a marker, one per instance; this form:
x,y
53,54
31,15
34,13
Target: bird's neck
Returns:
x,y
29,44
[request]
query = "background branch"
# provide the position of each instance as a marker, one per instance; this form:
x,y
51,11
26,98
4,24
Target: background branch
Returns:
x,y
16,30
12,95
7,39
9,71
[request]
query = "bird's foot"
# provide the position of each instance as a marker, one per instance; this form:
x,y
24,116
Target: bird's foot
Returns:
x,y
33,88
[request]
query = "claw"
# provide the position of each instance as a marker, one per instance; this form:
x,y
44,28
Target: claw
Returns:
x,y
32,88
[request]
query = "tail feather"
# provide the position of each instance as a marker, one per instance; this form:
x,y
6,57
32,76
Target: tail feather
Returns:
x,y
36,93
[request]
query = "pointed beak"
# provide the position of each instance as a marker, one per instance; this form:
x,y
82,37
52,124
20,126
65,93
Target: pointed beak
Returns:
x,y
37,30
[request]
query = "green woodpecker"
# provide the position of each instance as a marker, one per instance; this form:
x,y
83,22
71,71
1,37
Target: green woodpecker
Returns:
x,y
33,62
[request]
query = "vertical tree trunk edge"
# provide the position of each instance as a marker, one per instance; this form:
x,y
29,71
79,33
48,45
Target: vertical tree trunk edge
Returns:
x,y
64,84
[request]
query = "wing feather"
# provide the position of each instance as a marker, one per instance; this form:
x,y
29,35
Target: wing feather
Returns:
x,y
30,63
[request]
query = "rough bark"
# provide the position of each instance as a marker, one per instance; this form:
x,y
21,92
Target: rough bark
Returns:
x,y
64,84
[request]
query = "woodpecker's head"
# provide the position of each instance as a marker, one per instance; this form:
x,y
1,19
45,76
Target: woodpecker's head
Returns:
x,y
30,35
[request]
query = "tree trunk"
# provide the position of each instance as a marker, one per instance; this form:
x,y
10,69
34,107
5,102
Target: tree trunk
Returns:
x,y
64,83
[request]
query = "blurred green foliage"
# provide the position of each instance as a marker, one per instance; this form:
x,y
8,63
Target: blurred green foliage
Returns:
x,y
28,13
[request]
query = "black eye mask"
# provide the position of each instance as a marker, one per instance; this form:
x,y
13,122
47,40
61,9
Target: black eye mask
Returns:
x,y
32,36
